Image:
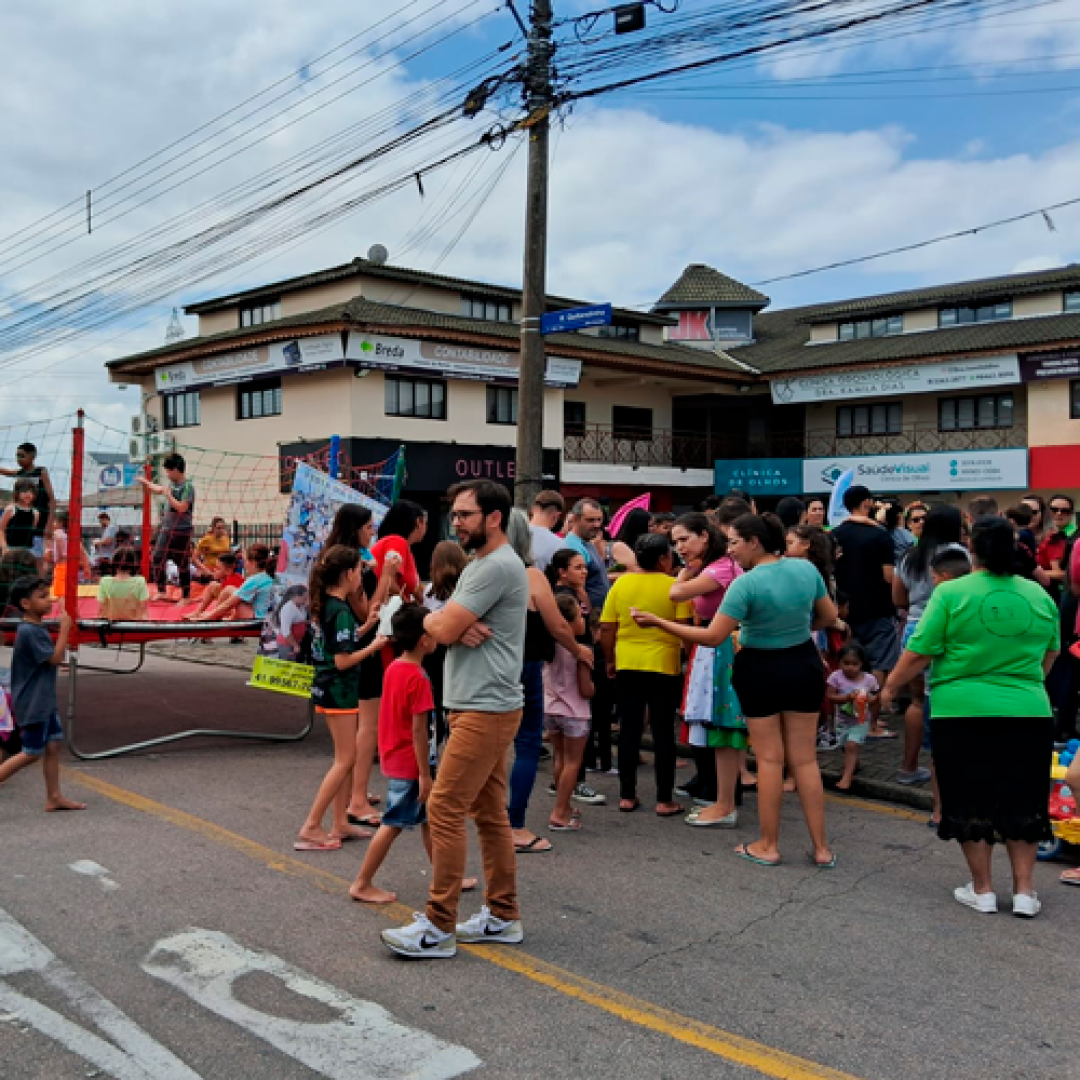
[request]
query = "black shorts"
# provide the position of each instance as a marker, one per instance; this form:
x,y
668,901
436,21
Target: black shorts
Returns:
x,y
772,681
371,676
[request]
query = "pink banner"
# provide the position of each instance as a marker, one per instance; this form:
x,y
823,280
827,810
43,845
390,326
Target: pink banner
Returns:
x,y
642,502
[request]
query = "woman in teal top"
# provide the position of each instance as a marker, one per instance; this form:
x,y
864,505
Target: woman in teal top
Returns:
x,y
992,636
777,674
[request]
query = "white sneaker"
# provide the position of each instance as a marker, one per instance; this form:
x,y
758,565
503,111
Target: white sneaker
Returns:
x,y
1026,905
585,794
420,940
483,929
985,903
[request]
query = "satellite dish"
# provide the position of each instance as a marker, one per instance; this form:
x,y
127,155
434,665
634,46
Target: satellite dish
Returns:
x,y
377,254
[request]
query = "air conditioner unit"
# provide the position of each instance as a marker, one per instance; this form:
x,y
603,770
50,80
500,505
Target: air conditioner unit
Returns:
x,y
161,442
136,448
143,424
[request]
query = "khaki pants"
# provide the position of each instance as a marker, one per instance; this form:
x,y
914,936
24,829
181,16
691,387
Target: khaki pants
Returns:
x,y
472,781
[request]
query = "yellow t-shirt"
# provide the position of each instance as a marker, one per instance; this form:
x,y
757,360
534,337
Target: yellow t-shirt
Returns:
x,y
210,548
645,648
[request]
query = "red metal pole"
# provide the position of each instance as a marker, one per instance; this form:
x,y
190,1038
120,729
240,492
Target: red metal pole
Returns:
x,y
145,557
74,540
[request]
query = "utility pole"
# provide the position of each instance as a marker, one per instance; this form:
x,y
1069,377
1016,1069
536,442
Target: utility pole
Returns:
x,y
530,436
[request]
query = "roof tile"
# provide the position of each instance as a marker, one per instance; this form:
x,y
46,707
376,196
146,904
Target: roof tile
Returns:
x,y
701,285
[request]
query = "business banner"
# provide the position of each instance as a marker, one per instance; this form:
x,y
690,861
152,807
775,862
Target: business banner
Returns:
x,y
449,360
1037,367
280,357
902,379
977,470
759,476
282,676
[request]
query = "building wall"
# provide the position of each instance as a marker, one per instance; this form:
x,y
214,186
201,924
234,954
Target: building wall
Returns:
x,y
923,319
1041,304
1048,414
600,400
218,322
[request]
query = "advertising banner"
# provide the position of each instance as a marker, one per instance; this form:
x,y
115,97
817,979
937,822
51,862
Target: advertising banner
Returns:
x,y
975,470
759,476
280,357
899,380
282,676
449,360
1036,367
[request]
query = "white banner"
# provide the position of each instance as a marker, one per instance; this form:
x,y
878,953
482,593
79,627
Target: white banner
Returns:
x,y
449,360
976,470
300,354
895,381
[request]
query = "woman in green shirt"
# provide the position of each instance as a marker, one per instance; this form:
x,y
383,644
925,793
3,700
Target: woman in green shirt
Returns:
x,y
992,637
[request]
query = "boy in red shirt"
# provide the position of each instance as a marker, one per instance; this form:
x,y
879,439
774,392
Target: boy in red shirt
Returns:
x,y
406,748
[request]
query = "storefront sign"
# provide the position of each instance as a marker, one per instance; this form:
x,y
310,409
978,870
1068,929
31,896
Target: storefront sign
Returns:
x,y
280,357
977,470
116,477
1035,367
449,360
760,476
895,381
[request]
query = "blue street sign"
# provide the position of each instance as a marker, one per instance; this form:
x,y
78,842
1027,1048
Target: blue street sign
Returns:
x,y
578,318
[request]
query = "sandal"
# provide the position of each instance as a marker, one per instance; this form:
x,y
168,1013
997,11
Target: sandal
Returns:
x,y
533,847
830,864
628,806
573,825
744,852
1070,876
674,810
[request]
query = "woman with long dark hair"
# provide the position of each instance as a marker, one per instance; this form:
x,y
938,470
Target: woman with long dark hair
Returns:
x,y
635,525
404,526
992,636
777,673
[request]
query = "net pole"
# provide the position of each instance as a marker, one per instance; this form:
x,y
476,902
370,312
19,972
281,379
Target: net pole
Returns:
x,y
144,556
335,453
74,542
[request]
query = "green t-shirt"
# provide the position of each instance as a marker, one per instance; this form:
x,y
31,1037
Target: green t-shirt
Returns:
x,y
988,636
336,632
774,603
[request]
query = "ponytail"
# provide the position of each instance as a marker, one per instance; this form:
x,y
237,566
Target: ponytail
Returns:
x,y
766,529
327,572
258,555
994,544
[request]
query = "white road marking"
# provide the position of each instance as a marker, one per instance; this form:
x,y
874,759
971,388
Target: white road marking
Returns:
x,y
364,1043
89,868
136,1056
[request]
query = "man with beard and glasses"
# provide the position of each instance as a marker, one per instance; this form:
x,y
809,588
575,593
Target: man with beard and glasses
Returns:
x,y
483,625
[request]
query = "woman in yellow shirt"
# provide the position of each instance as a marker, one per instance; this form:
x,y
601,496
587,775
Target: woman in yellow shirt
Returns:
x,y
646,664
210,548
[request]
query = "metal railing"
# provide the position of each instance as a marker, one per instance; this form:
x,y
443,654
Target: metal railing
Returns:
x,y
605,444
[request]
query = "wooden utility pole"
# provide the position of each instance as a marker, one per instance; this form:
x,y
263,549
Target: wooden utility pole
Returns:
x,y
530,437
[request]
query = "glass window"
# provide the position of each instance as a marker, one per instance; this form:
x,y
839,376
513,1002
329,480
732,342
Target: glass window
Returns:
x,y
884,418
871,328
502,405
258,399
424,399
1072,301
847,331
574,418
257,314
474,307
961,316
182,410
628,422
970,413
1074,399
621,332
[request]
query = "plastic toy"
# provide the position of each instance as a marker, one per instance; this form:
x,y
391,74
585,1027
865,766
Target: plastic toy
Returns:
x,y
1064,817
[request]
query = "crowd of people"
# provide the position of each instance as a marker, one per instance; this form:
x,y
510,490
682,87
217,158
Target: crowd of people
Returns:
x,y
756,640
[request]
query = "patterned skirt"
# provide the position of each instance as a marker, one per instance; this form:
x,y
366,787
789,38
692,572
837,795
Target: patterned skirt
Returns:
x,y
712,715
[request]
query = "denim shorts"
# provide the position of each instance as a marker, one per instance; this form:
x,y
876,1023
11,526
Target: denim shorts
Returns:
x,y
403,806
569,726
36,736
852,733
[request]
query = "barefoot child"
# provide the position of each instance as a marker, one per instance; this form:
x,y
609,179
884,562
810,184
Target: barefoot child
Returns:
x,y
851,690
253,599
568,687
34,662
335,690
224,575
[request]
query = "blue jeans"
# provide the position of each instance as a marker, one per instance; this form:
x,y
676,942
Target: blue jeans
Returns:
x,y
528,742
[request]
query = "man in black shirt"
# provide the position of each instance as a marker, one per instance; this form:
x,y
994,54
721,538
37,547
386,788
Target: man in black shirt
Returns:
x,y
864,570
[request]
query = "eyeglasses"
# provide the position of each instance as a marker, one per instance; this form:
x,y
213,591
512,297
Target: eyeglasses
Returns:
x,y
1061,509
463,515
918,520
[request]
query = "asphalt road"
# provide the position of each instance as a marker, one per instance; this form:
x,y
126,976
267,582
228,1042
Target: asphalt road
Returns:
x,y
170,931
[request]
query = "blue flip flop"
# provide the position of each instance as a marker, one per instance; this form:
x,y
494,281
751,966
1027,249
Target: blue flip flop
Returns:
x,y
744,853
830,865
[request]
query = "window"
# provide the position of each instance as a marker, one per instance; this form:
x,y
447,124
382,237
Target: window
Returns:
x,y
424,399
1072,301
257,314
573,418
960,316
502,405
476,307
621,331
1074,400
884,419
628,422
968,413
868,328
258,399
182,410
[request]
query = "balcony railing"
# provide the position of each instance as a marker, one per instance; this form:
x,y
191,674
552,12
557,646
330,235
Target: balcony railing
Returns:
x,y
603,444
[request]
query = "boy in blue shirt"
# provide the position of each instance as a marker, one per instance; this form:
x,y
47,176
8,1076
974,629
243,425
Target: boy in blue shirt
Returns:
x,y
33,689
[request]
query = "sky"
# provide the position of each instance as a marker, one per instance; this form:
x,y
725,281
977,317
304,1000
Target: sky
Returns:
x,y
811,155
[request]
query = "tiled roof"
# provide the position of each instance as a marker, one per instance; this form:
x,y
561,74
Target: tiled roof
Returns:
x,y
407,322
958,293
782,341
359,267
701,285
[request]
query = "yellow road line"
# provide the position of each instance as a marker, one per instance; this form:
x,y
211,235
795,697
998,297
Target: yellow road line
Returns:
x,y
713,1040
877,808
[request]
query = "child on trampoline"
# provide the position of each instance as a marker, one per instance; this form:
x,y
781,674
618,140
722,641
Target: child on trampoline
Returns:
x,y
335,689
124,595
251,600
224,575
33,689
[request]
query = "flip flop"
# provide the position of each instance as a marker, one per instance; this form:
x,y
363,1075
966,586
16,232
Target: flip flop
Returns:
x,y
671,813
830,865
532,847
743,851
372,821
573,825
634,804
883,735
1070,877
316,845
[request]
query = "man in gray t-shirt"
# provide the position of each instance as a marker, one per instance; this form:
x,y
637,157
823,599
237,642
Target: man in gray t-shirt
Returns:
x,y
483,624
